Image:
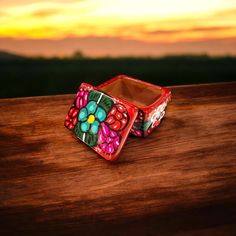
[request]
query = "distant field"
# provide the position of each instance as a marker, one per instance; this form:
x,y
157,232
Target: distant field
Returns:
x,y
33,77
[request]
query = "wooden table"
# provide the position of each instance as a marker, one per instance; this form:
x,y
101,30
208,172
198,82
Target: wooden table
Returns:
x,y
180,180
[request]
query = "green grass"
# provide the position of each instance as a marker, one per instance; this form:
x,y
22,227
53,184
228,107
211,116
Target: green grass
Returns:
x,y
33,77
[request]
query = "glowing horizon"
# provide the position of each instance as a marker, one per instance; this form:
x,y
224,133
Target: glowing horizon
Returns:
x,y
150,21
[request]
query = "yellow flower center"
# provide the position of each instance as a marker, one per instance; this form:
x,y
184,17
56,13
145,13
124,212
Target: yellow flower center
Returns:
x,y
91,119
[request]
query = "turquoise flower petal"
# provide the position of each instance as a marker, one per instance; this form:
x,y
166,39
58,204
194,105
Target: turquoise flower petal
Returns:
x,y
91,107
94,127
85,126
100,114
83,114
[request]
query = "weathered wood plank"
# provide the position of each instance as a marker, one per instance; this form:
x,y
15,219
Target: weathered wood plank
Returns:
x,y
179,180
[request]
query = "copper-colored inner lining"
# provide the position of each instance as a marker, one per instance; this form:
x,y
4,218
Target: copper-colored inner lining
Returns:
x,y
139,94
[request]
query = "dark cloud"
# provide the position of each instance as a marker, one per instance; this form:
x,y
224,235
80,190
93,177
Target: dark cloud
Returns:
x,y
191,30
45,12
102,46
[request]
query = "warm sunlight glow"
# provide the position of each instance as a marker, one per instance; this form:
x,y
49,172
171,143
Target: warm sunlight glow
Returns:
x,y
149,21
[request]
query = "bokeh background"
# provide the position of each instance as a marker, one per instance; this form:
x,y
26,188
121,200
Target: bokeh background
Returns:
x,y
50,47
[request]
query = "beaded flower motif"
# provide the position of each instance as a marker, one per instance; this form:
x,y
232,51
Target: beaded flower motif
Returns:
x,y
97,120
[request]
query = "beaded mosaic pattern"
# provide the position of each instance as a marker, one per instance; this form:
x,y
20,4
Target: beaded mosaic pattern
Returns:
x,y
145,123
98,120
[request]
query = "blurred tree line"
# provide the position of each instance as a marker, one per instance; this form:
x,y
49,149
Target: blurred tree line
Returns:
x,y
21,76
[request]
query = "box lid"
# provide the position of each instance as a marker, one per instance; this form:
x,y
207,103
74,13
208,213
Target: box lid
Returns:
x,y
101,121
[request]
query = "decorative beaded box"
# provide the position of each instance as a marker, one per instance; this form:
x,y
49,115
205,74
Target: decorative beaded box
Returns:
x,y
103,116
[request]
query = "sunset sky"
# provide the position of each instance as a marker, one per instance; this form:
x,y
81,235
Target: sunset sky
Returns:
x,y
118,27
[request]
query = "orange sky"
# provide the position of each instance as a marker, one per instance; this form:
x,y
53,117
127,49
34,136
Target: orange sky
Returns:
x,y
118,27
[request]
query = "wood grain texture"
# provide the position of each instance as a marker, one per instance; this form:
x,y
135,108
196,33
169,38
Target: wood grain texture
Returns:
x,y
180,180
